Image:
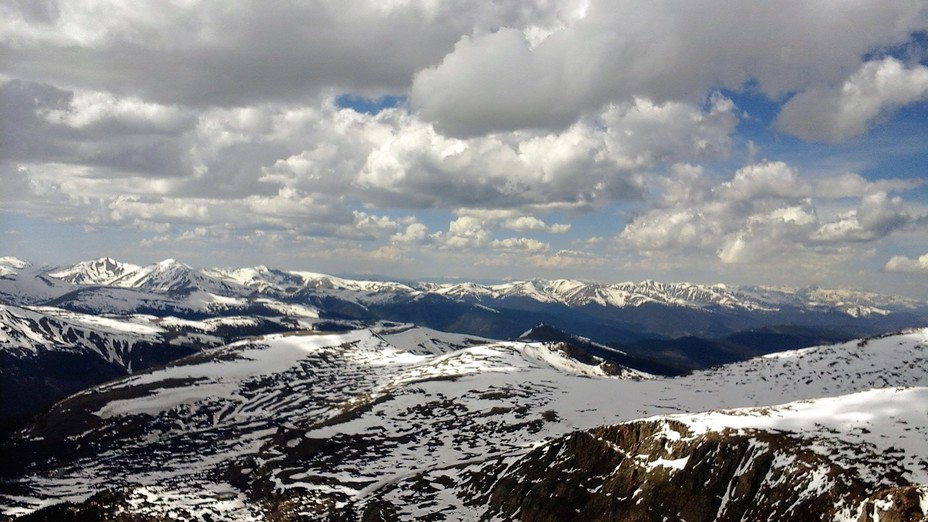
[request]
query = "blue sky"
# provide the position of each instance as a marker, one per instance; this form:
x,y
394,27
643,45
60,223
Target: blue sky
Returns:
x,y
736,142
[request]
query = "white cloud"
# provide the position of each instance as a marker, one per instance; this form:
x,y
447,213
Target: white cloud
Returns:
x,y
905,264
374,226
107,112
568,260
466,232
519,244
594,161
470,66
92,131
671,230
851,108
212,53
533,224
764,180
414,233
661,50
474,231
765,212
513,219
850,184
548,120
877,216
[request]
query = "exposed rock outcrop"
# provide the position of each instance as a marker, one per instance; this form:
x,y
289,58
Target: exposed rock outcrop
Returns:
x,y
661,470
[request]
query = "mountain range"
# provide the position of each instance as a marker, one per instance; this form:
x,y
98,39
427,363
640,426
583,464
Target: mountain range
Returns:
x,y
107,318
172,276
166,392
401,422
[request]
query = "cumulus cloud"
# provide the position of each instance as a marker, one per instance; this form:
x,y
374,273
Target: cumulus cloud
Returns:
x,y
764,180
475,231
905,264
42,123
212,53
850,109
129,162
107,113
533,224
471,67
466,232
519,244
513,219
663,50
232,124
17,185
850,184
877,216
567,260
413,233
595,160
766,211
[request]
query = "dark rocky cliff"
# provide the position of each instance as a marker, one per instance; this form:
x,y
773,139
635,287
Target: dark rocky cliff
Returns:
x,y
660,470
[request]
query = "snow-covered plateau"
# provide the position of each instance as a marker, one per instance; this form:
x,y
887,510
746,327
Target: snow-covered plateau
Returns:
x,y
402,422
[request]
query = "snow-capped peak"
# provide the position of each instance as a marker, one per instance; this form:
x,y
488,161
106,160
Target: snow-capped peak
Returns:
x,y
172,275
102,271
578,293
10,265
261,278
170,263
169,275
324,281
13,262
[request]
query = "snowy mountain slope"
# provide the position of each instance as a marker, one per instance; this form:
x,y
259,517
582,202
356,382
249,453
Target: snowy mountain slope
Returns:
x,y
317,423
678,326
44,328
24,284
577,293
173,276
260,279
857,457
108,286
25,331
10,266
103,271
47,353
548,334
117,300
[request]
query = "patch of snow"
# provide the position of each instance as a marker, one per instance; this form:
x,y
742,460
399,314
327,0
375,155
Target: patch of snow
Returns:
x,y
674,464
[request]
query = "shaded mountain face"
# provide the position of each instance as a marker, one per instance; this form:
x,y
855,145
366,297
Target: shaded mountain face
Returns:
x,y
49,353
400,422
583,347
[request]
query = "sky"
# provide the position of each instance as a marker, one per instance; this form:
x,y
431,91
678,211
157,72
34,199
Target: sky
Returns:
x,y
742,142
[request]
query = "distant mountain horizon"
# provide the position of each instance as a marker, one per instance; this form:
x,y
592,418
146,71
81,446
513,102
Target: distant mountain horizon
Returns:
x,y
666,328
108,271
